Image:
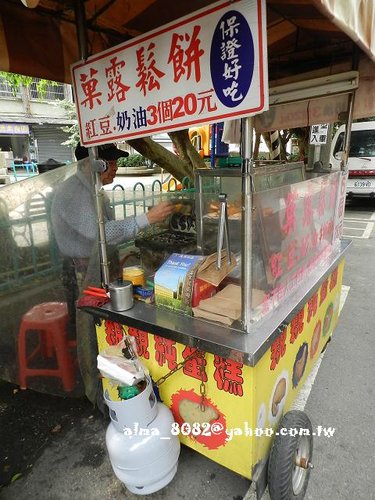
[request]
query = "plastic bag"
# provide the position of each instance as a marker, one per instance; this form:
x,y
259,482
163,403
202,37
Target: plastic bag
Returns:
x,y
121,364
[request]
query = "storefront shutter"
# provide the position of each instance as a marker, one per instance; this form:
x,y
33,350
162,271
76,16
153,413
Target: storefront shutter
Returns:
x,y
49,139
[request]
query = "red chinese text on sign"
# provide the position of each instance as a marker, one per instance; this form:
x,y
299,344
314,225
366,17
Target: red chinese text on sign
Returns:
x,y
292,254
275,265
114,80
322,202
307,210
166,80
149,75
91,129
89,84
185,54
323,291
105,125
333,280
289,225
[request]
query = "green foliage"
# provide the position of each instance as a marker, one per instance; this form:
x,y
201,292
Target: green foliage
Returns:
x,y
263,156
73,129
17,81
42,86
294,157
135,160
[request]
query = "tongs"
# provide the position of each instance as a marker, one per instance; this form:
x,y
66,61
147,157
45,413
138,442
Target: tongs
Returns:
x,y
223,231
96,292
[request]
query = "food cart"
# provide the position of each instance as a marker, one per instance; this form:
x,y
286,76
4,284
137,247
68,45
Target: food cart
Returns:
x,y
232,384
230,387
245,380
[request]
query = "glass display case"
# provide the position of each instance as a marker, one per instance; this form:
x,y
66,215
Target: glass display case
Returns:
x,y
293,235
210,183
269,175
292,227
212,186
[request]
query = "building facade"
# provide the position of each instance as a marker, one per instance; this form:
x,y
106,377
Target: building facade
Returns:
x,y
31,122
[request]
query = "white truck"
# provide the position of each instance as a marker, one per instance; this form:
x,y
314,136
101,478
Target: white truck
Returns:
x,y
361,162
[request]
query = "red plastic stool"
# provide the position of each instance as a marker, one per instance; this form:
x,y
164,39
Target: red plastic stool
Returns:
x,y
49,320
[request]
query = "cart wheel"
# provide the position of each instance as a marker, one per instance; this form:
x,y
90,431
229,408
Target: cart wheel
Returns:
x,y
290,458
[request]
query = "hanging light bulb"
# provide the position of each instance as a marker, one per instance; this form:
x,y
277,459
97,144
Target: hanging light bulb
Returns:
x,y
31,4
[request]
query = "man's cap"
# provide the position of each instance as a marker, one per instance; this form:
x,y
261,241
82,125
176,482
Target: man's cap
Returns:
x,y
107,152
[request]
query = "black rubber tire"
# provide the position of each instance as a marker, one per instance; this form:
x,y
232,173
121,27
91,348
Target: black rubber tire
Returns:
x,y
282,458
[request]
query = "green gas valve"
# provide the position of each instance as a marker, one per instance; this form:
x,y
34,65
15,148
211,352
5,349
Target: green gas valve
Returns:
x,y
128,391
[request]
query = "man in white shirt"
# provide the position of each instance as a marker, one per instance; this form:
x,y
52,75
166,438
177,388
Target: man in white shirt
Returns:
x,y
74,215
75,226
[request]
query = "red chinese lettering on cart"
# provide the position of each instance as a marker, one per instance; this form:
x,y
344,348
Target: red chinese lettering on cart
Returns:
x,y
278,349
196,366
296,326
312,307
141,341
228,375
113,332
165,352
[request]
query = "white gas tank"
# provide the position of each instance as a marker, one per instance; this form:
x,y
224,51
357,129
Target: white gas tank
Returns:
x,y
143,452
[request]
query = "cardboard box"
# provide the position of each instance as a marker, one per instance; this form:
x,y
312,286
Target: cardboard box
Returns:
x,y
174,282
202,290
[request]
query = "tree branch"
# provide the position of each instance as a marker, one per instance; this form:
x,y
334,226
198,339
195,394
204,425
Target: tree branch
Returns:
x,y
176,166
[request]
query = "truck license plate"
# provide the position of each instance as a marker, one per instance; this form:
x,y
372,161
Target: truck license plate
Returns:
x,y
363,184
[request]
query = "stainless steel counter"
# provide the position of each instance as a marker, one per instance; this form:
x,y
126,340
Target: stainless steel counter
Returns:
x,y
229,342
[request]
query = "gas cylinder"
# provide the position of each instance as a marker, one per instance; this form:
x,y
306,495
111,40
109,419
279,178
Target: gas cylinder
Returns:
x,y
143,452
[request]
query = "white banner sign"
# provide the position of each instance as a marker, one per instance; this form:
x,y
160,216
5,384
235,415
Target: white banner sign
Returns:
x,y
318,134
205,67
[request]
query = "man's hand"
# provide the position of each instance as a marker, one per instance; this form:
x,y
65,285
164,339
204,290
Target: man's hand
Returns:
x,y
160,212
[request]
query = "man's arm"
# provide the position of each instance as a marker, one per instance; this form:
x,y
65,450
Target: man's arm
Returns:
x,y
119,231
73,206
